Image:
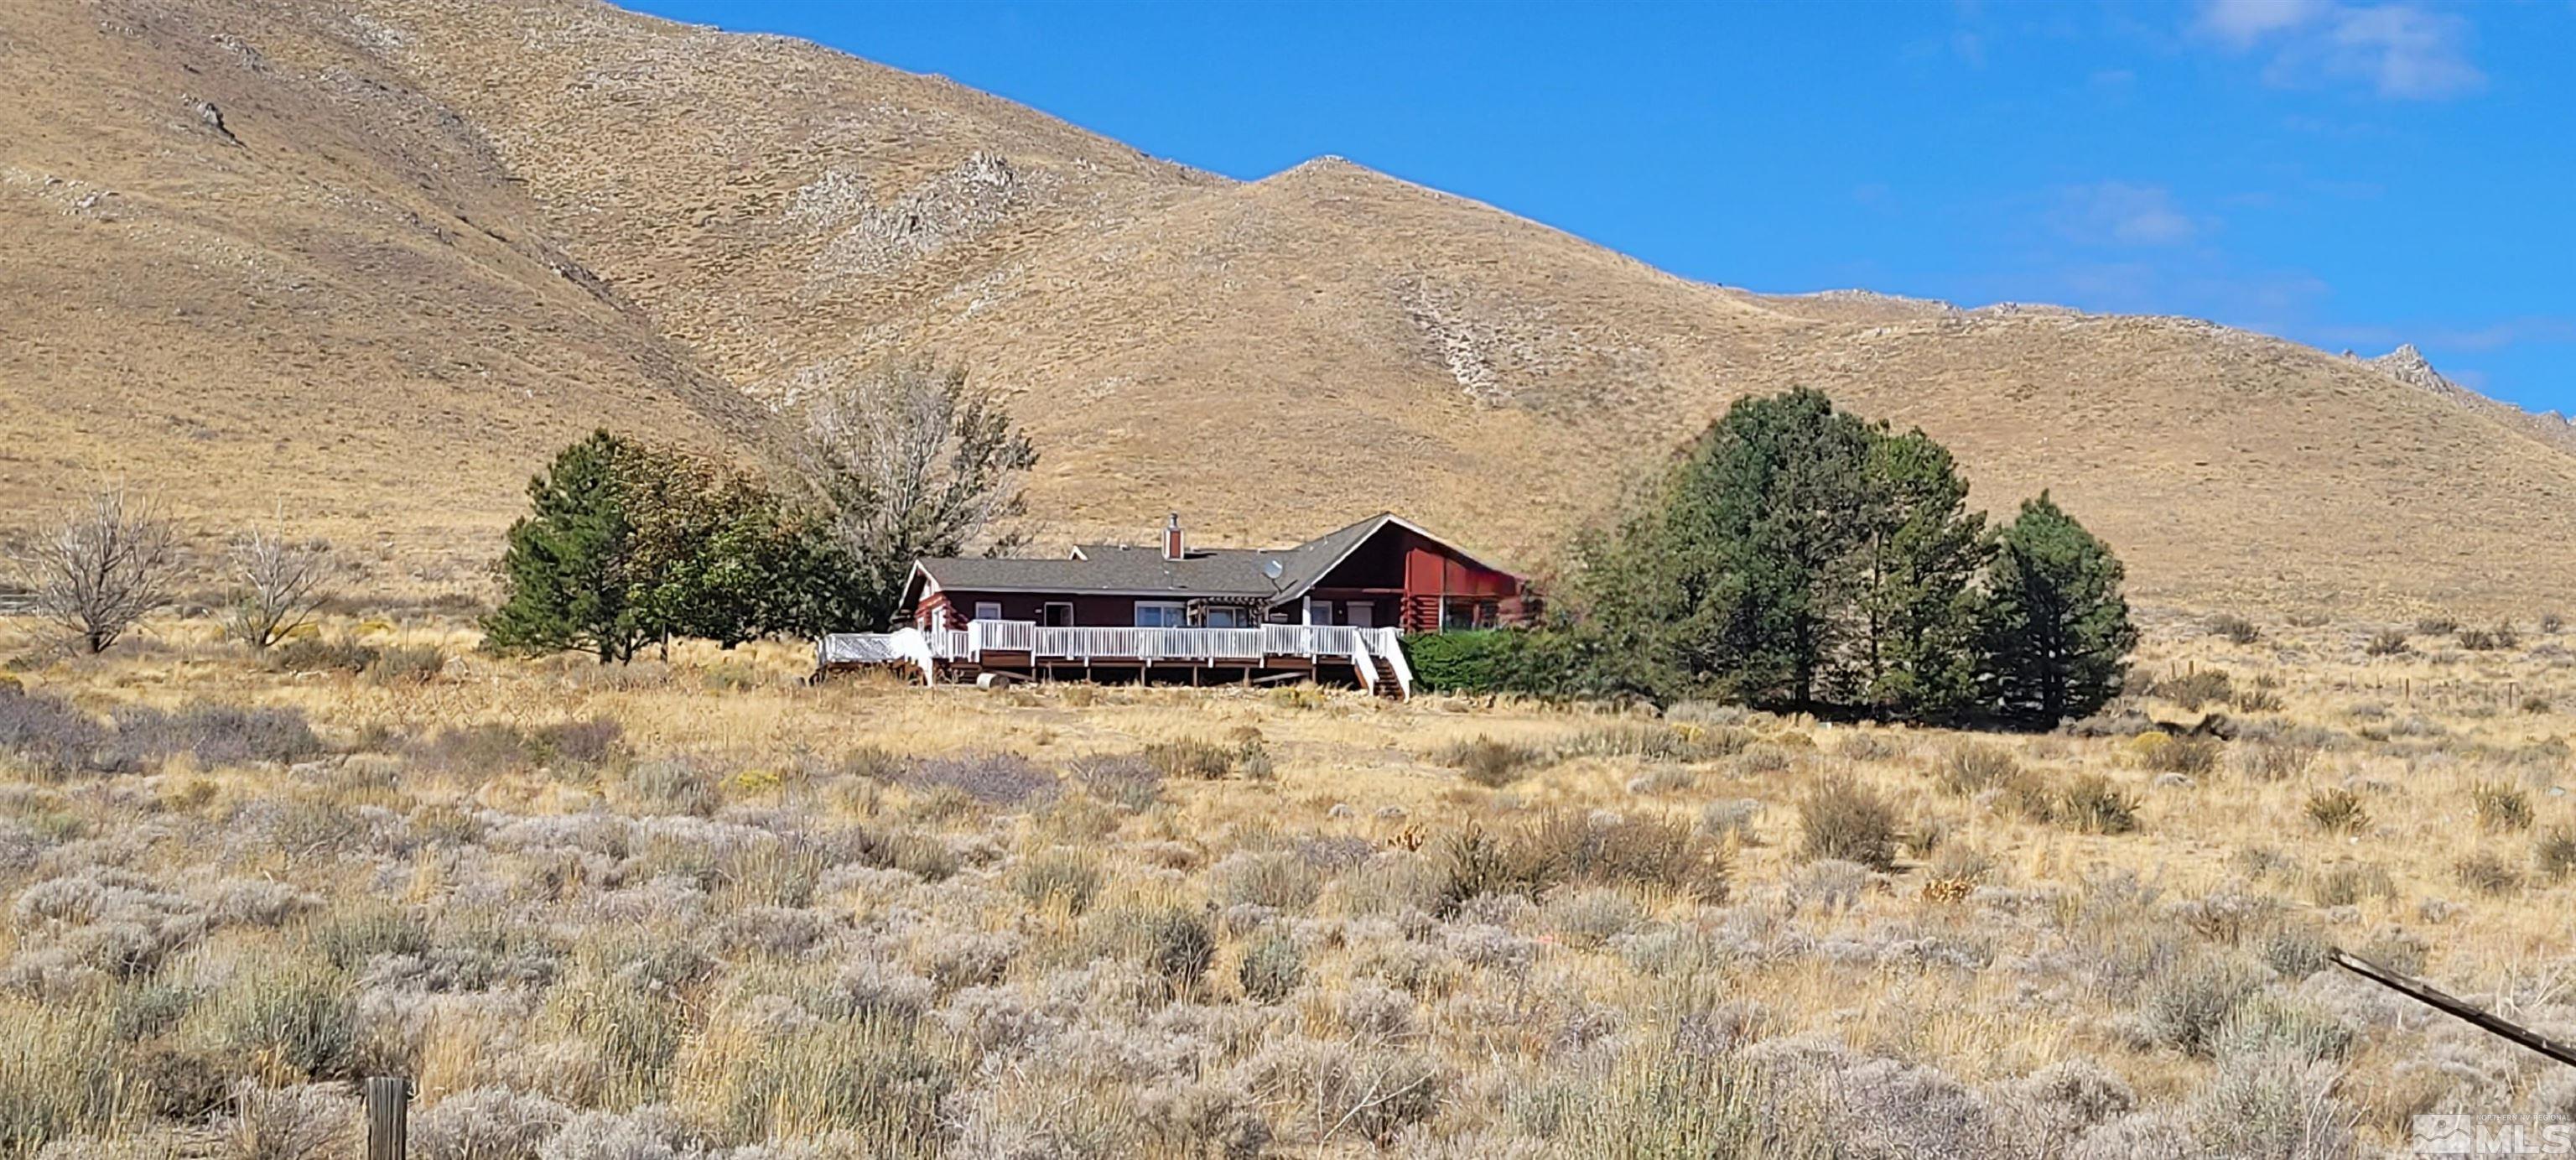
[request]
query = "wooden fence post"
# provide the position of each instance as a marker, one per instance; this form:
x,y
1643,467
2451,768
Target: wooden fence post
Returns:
x,y
388,1116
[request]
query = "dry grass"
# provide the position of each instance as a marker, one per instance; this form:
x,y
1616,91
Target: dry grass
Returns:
x,y
701,905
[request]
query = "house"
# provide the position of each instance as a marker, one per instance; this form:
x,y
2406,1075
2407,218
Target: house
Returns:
x,y
1330,608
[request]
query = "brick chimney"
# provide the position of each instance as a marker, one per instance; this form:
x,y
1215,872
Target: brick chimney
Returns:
x,y
1172,537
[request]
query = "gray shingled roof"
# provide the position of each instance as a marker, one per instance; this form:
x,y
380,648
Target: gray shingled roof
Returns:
x,y
1118,568
1109,568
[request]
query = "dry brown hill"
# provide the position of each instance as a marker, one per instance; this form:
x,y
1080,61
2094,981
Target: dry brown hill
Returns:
x,y
430,240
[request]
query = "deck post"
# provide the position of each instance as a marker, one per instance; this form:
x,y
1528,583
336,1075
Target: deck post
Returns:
x,y
388,1109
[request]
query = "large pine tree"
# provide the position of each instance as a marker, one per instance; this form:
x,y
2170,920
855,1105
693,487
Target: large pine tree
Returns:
x,y
1799,557
568,570
2057,629
1917,654
1731,581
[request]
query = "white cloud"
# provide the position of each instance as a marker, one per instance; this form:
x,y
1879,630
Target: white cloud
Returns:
x,y
2402,51
2122,214
2240,23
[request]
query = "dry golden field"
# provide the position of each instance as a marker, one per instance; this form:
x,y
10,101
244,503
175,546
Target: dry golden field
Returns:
x,y
700,908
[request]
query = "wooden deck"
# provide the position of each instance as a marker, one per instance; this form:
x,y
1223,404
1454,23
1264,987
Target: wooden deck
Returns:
x,y
1372,658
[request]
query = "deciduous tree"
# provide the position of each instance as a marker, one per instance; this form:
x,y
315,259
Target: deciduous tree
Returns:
x,y
102,569
915,461
279,582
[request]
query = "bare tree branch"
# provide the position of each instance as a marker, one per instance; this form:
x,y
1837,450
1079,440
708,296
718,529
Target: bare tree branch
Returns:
x,y
101,569
280,583
916,461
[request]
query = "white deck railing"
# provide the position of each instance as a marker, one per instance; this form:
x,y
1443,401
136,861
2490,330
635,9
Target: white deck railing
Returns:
x,y
1357,646
1153,644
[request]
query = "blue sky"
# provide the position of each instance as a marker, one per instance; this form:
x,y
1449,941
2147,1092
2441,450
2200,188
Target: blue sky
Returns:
x,y
2345,174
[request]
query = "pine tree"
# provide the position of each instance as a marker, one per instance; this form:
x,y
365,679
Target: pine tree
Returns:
x,y
566,572
1917,645
2057,630
1732,580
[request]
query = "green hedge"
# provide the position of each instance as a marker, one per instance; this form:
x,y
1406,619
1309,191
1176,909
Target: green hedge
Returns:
x,y
1475,661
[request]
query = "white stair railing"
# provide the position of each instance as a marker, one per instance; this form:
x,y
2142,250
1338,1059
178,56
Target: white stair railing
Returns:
x,y
1390,644
1362,664
913,645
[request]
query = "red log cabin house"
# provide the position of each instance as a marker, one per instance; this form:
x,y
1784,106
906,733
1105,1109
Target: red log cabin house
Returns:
x,y
1331,609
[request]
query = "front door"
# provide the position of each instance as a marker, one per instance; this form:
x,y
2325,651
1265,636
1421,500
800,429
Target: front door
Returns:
x,y
1363,613
1058,614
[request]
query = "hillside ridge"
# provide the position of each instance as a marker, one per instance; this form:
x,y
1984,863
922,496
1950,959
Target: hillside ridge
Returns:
x,y
414,246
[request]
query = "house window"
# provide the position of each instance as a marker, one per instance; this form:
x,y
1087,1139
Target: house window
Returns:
x,y
1225,617
988,610
1058,613
1465,612
1319,611
1161,614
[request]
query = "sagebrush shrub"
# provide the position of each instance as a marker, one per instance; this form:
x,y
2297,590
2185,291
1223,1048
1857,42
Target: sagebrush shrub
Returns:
x,y
407,664
2235,629
1627,849
2553,853
1125,780
2388,642
1278,879
2183,1007
591,741
1657,741
1869,745
1488,762
2338,811
478,750
1841,818
1192,758
1590,916
1477,862
677,785
2196,688
298,1015
2487,873
2500,807
2265,1023
1270,968
47,732
216,734
993,777
2092,804
876,1080
1057,874
1973,766
2276,759
2192,756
